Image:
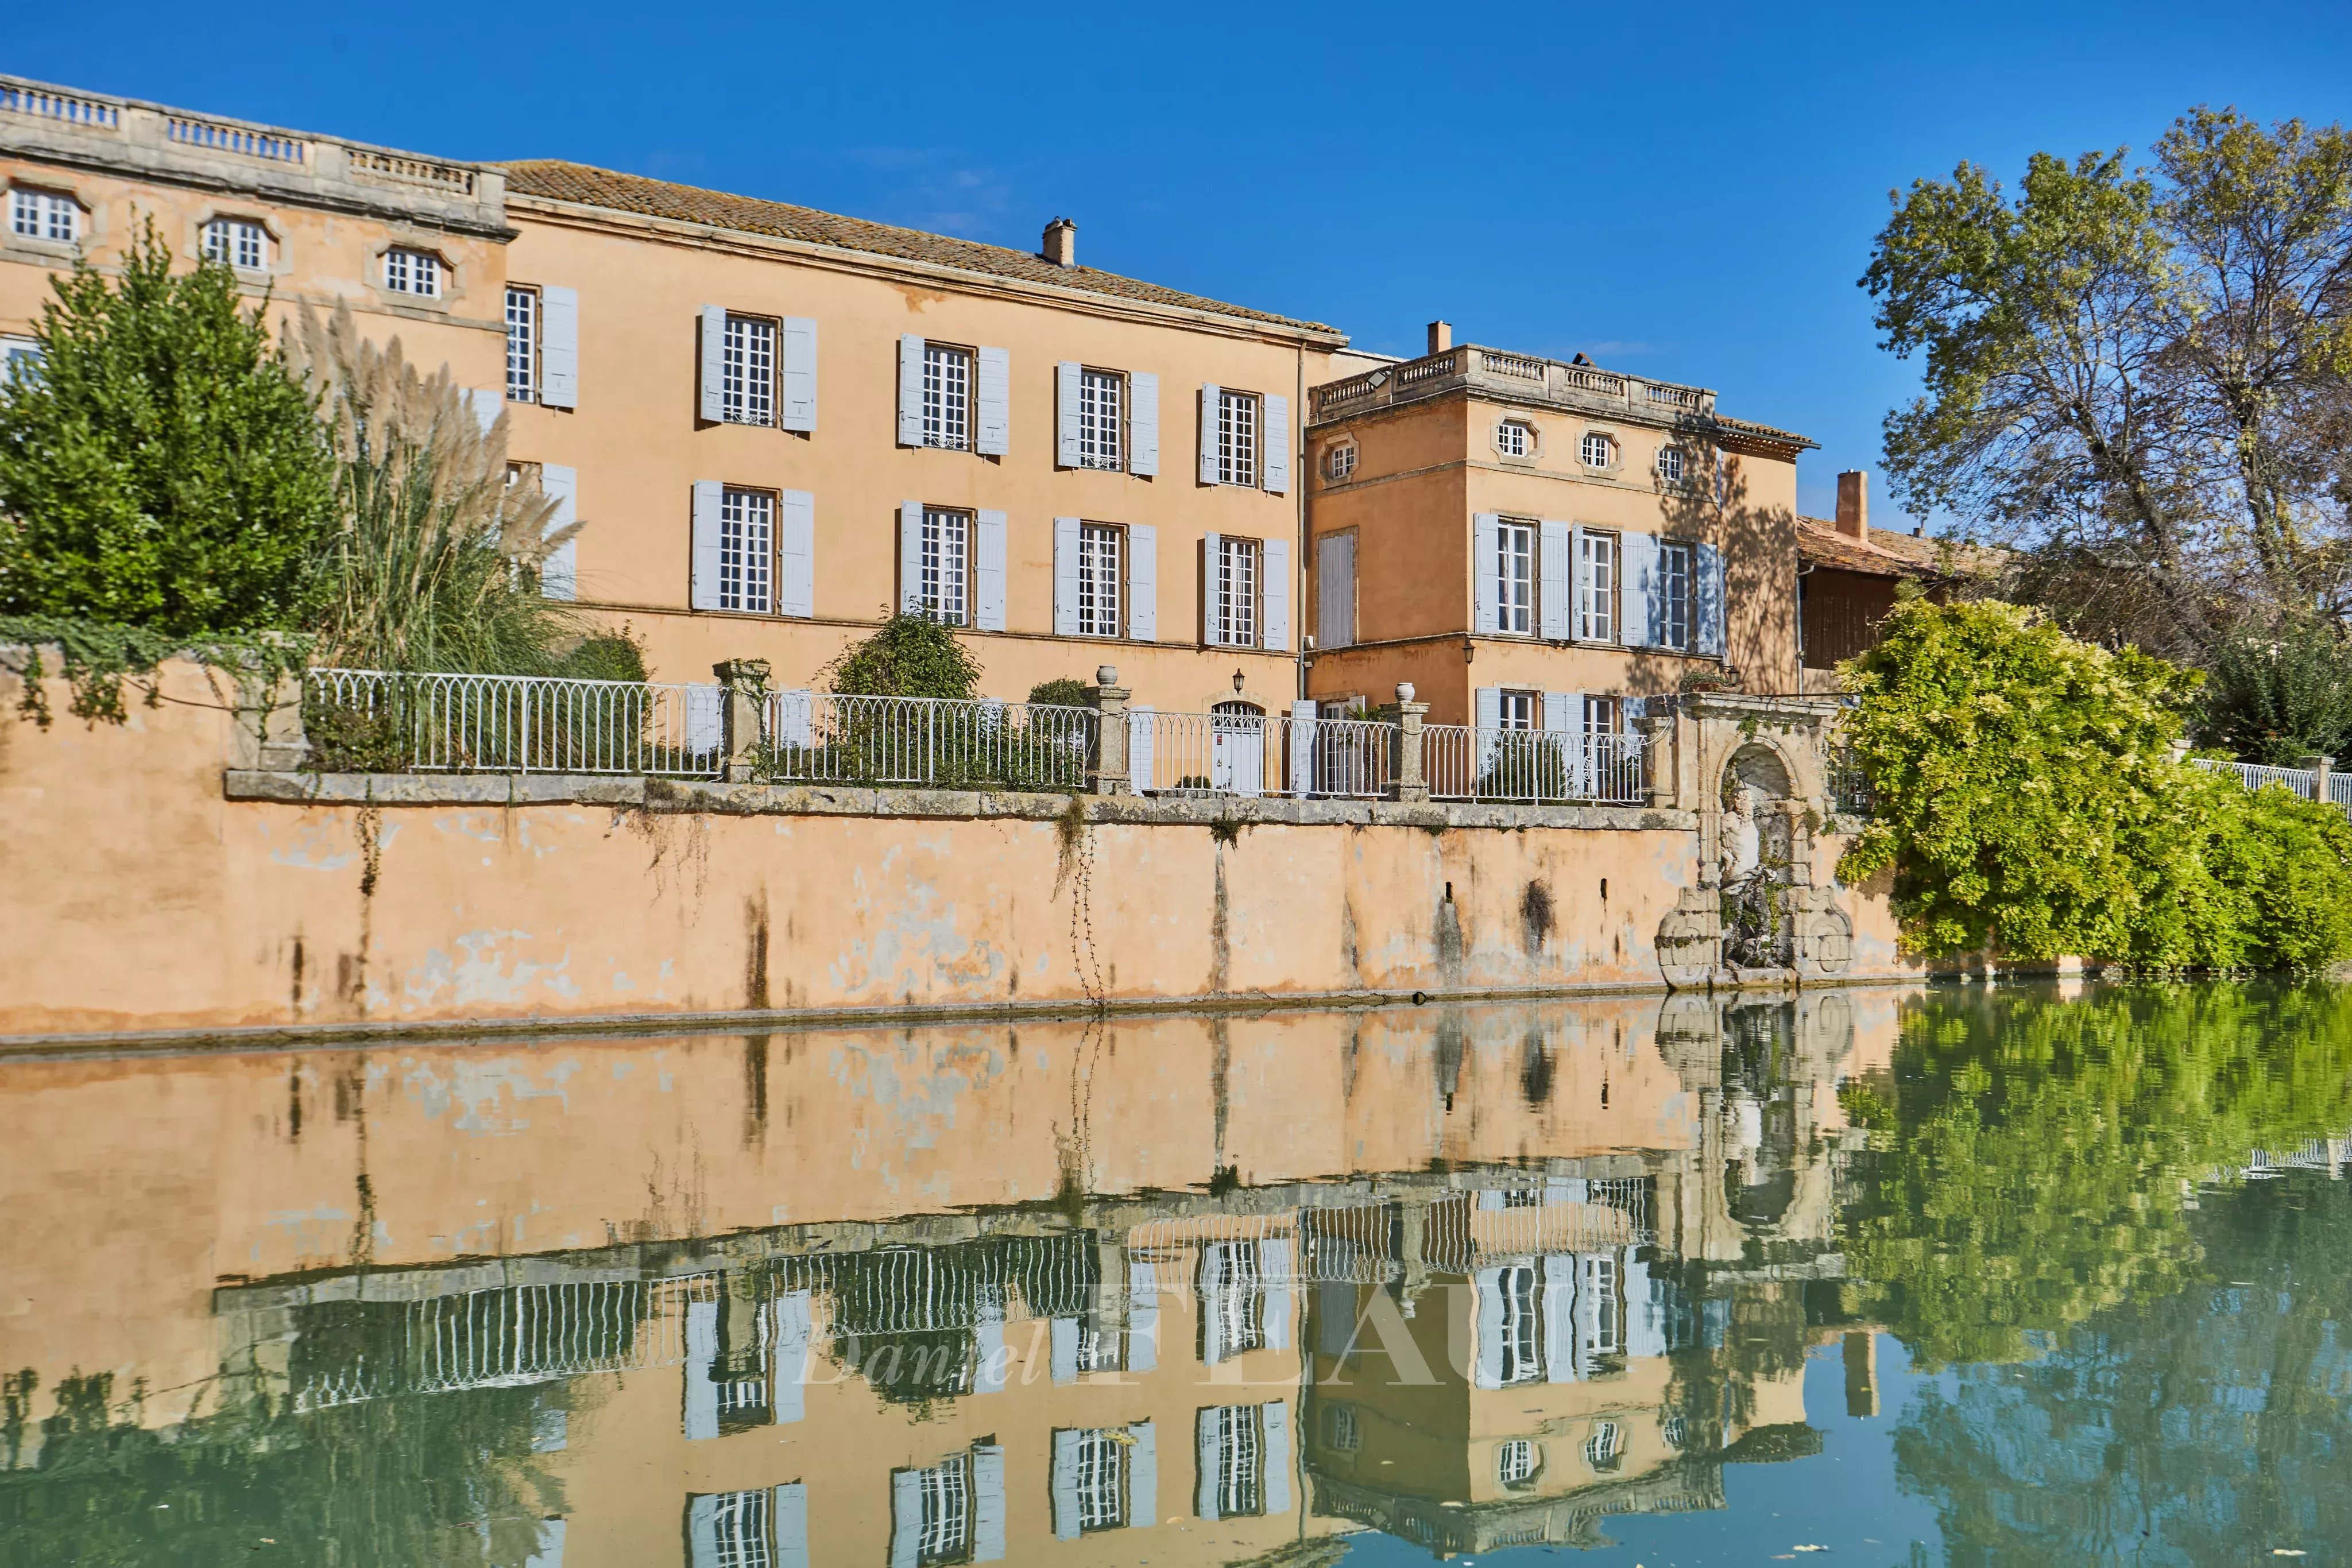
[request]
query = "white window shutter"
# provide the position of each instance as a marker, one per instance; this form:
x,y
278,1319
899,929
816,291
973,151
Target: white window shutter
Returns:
x,y
1563,712
1559,1318
704,583
714,345
910,390
1638,564
702,1531
1139,771
1276,1266
988,1503
1303,712
1211,547
1710,605
559,348
701,1421
1280,585
1143,424
1485,545
796,554
1555,589
799,408
910,554
988,573
487,403
1205,1456
1062,1478
559,575
1277,445
1488,1283
906,1518
1143,583
988,1341
790,1528
791,1317
1062,1349
1066,376
1142,1475
1210,393
1335,591
1276,1417
1066,576
1486,717
993,427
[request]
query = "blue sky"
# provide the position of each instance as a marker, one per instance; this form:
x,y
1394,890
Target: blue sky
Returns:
x,y
1686,192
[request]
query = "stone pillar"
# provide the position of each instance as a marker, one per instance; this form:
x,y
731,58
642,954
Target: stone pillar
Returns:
x,y
2321,767
1107,770
1660,737
268,735
1410,783
746,694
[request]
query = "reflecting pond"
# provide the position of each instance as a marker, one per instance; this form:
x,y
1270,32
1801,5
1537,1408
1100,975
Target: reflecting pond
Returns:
x,y
1971,1275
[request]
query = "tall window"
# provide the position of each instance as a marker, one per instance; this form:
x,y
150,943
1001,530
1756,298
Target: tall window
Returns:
x,y
1600,1289
1232,1311
1518,710
1237,593
234,242
747,550
945,1492
1237,438
739,1523
1522,1345
1102,398
1241,1460
1514,1462
1596,587
416,272
1514,578
747,371
522,345
1674,618
945,590
43,214
1102,1481
947,397
1098,579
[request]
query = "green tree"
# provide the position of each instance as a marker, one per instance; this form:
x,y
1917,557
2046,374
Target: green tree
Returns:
x,y
2280,692
164,468
911,655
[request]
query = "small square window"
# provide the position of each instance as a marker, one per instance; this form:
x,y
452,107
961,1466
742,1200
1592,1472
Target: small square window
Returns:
x,y
416,272
1514,1462
1514,439
238,242
1339,462
1670,464
44,214
1597,450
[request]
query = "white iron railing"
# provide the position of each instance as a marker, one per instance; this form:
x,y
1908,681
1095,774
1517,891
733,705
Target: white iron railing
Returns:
x,y
2302,781
384,721
816,737
1246,752
1465,763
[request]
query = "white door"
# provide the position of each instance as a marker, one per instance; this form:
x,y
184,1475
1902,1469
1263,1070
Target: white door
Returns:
x,y
1237,749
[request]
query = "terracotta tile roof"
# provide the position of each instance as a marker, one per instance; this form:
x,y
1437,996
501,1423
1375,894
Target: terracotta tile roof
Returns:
x,y
1768,433
1890,554
556,180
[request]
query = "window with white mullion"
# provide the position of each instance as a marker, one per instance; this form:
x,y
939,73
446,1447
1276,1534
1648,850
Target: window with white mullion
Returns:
x,y
1237,429
1241,1462
1522,1346
1237,577
945,1492
1596,587
738,1527
1514,578
416,272
1102,398
1102,1480
747,370
44,214
237,242
1514,1462
522,345
1098,579
947,566
1674,575
1518,710
947,397
747,552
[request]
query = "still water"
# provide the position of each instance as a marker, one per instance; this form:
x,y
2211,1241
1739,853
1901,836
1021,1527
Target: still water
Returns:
x,y
1896,1278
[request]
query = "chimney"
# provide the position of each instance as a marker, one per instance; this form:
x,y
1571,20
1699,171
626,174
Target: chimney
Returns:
x,y
1061,243
1853,505
1441,337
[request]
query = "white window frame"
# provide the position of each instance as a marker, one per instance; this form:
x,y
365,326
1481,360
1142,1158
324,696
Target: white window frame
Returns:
x,y
242,245
420,274
1516,1462
747,550
1102,419
945,1532
944,589
37,213
1339,462
1241,429
525,318
1102,575
1101,1481
1240,578
947,396
1241,1462
1342,1433
1596,450
1515,438
1673,464
1677,597
1519,710
1515,577
1518,1290
1605,1449
1601,1329
740,1524
20,360
1603,715
747,369
1598,560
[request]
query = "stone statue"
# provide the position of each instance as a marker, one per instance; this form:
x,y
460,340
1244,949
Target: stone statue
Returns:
x,y
1742,844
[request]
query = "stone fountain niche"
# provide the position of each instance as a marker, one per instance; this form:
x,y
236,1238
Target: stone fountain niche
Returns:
x,y
1766,909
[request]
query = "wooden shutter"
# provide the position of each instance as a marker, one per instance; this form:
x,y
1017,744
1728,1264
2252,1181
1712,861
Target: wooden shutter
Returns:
x,y
1275,1419
701,1361
796,554
1205,1449
1488,1285
1563,712
1143,583
1637,573
1486,542
799,408
714,346
1335,591
1709,601
1210,392
1061,1478
988,571
1212,549
1276,1266
1066,576
1303,712
993,427
702,1531
1139,774
910,554
789,1527
906,1518
910,390
1279,587
988,1344
1559,1318
988,1503
703,590
1143,424
1062,1349
1277,445
1142,1475
559,574
1555,588
1066,378
791,1315
1486,717
559,348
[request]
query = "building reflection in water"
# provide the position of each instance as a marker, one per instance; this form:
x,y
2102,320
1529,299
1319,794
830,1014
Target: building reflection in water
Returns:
x,y
1471,1276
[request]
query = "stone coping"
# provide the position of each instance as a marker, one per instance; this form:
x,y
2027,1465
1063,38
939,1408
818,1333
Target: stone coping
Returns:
x,y
688,797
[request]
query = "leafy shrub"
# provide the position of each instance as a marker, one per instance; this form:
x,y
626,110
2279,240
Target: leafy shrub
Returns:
x,y
2276,695
1063,691
911,655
